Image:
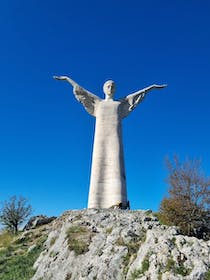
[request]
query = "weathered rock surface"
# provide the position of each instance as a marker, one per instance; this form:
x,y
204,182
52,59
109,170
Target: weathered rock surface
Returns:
x,y
115,244
38,221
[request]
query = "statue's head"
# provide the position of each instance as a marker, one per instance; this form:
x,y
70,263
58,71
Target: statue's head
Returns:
x,y
109,88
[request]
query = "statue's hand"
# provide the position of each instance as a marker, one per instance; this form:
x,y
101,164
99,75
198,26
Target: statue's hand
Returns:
x,y
60,77
160,86
65,78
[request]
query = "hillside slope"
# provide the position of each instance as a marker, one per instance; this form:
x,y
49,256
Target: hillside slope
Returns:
x,y
19,252
116,244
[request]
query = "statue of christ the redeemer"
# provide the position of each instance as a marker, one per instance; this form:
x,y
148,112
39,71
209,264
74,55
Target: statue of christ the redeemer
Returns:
x,y
108,180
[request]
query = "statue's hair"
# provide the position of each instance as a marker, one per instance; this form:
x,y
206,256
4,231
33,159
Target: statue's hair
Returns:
x,y
109,81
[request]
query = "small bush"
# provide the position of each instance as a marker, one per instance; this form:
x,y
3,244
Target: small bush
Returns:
x,y
187,205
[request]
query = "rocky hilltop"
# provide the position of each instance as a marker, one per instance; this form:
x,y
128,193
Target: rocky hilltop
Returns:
x,y
116,244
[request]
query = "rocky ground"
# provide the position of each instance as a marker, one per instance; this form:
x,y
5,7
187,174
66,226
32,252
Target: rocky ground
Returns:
x,y
116,244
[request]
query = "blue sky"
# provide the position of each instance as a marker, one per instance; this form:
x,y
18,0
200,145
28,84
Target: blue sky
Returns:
x,y
46,136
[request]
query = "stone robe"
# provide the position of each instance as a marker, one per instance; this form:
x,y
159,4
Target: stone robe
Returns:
x,y
108,179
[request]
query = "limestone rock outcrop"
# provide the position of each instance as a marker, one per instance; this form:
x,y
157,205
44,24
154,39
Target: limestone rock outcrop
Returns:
x,y
115,244
38,220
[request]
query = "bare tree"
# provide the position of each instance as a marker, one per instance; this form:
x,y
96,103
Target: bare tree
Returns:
x,y
14,212
188,204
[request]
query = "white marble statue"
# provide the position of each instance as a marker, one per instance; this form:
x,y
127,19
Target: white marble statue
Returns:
x,y
108,180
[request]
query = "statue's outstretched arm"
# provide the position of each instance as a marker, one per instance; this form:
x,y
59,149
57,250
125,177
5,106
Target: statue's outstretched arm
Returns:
x,y
130,102
88,99
65,78
145,90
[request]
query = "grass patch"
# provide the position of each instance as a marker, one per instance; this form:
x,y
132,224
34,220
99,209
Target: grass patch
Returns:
x,y
144,267
16,266
79,238
135,274
52,241
182,270
177,268
159,276
109,230
132,247
170,265
173,241
53,254
207,275
6,239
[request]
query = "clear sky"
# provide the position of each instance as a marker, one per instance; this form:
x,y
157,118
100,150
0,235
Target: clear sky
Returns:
x,y
46,136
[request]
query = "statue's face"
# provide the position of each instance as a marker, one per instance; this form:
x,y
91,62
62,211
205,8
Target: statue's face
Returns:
x,y
109,88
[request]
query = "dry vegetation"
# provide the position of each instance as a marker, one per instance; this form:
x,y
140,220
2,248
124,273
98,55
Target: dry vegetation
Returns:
x,y
19,252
